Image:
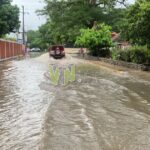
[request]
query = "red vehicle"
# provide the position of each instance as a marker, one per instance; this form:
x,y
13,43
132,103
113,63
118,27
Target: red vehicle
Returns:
x,y
57,51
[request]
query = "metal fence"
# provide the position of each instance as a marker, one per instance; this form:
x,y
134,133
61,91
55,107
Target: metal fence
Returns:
x,y
10,49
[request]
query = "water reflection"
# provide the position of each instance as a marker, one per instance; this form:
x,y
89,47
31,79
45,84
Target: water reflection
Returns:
x,y
22,104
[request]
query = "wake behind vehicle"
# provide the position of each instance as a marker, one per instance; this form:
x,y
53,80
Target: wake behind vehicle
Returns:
x,y
57,51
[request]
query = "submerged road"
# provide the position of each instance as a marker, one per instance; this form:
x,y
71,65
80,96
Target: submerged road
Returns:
x,y
103,109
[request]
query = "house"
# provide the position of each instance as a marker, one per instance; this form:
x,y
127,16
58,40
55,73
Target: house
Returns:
x,y
119,43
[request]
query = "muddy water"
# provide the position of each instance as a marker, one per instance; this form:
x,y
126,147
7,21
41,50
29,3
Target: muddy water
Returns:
x,y
22,104
102,110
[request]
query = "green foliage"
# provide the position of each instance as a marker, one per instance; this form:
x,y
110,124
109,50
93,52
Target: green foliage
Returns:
x,y
115,54
139,54
135,54
45,34
115,18
9,17
66,18
137,23
97,40
35,40
9,38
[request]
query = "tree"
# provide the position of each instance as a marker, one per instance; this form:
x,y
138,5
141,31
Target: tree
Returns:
x,y
9,17
137,23
36,39
66,18
33,39
115,18
97,40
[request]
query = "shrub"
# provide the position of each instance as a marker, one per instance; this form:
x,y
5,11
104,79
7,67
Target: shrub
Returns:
x,y
96,40
139,54
115,54
125,55
135,54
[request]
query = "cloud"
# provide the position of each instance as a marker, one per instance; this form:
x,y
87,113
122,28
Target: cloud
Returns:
x,y
32,20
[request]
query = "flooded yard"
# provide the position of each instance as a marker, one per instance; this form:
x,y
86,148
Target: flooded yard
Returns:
x,y
101,110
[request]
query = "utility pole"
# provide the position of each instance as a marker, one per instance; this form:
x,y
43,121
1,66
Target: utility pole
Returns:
x,y
23,26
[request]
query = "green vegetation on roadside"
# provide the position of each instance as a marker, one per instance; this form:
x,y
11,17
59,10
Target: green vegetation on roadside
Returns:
x,y
66,18
135,54
9,38
35,40
72,23
136,25
9,17
97,40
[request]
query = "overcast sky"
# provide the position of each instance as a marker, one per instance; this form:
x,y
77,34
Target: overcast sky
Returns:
x,y
32,20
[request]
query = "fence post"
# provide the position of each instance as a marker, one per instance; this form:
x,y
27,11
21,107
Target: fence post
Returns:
x,y
9,52
5,50
13,48
0,51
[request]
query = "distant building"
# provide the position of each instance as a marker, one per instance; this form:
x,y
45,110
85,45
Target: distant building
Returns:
x,y
119,43
18,37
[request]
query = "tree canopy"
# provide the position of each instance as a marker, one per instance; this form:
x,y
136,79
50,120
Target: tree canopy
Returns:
x,y
137,23
67,17
35,39
9,17
97,40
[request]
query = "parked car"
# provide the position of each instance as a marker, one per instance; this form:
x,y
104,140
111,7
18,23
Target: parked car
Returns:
x,y
35,50
57,51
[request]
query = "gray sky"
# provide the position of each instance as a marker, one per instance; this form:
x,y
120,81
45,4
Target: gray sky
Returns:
x,y
32,20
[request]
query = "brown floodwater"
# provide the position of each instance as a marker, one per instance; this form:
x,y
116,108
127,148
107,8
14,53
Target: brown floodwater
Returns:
x,y
101,110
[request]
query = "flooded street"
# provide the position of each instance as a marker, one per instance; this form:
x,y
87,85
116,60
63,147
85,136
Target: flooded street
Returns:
x,y
101,110
22,104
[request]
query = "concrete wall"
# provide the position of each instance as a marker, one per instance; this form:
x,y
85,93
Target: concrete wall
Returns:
x,y
130,65
9,49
